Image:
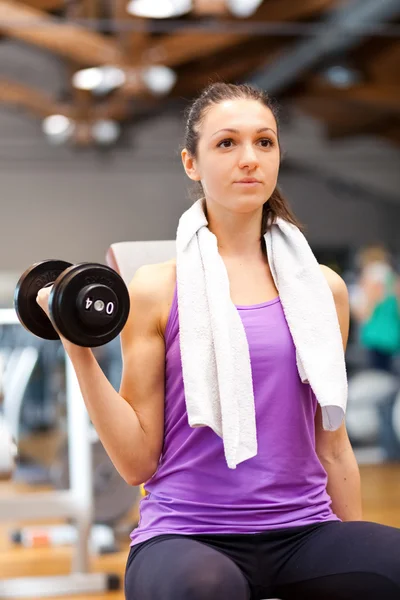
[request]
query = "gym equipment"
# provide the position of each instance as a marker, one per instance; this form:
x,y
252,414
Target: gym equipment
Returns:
x,y
88,304
101,539
8,448
127,257
74,504
113,498
368,390
30,314
8,451
396,417
18,371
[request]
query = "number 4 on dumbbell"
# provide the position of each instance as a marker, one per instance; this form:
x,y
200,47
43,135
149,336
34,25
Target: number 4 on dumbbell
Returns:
x,y
89,302
99,306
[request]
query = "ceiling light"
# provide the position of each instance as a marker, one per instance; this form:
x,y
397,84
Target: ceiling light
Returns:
x,y
159,9
99,80
341,76
243,8
58,128
159,79
106,132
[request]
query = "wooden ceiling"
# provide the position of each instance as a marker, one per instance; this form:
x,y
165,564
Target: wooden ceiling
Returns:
x,y
209,43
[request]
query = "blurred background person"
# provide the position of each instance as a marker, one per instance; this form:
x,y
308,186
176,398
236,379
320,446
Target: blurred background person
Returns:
x,y
376,308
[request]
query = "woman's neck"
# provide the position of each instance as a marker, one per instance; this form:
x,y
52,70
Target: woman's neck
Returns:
x,y
238,235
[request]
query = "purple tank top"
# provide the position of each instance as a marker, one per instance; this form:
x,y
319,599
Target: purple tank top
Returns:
x,y
194,492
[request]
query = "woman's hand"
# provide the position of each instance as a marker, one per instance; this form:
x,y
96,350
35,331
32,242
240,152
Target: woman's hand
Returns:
x,y
42,299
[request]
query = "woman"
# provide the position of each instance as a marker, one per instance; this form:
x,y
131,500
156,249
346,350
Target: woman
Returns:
x,y
286,522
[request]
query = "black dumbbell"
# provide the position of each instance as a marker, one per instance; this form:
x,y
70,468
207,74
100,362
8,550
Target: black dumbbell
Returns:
x,y
89,302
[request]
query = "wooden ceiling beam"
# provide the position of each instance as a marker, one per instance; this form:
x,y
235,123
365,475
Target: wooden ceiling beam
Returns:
x,y
33,100
184,47
45,4
291,10
43,105
384,65
380,97
210,7
84,47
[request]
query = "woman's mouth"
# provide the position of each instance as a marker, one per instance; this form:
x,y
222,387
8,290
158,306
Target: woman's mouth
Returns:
x,y
248,182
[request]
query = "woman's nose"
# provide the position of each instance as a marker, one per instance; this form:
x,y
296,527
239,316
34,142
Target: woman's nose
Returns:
x,y
248,158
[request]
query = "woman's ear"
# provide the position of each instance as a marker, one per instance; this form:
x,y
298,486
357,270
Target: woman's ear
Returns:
x,y
190,166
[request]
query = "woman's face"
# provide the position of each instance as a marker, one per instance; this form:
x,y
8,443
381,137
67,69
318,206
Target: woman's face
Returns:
x,y
237,156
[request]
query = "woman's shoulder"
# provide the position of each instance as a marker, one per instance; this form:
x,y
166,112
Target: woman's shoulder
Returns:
x,y
155,280
335,281
155,283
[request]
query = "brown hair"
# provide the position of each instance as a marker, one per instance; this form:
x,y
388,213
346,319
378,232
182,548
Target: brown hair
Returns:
x,y
373,253
276,205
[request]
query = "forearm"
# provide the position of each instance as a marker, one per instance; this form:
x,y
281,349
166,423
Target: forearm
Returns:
x,y
344,486
114,419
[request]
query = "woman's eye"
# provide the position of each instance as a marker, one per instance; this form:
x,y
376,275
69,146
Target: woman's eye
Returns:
x,y
224,144
266,142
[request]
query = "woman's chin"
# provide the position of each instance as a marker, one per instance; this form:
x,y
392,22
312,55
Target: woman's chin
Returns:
x,y
248,203
240,203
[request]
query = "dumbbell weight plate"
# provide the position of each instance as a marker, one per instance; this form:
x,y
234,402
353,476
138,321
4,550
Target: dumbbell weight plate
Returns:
x,y
68,309
31,316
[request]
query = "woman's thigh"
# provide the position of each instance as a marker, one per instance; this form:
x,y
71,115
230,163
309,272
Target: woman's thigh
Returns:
x,y
344,561
179,568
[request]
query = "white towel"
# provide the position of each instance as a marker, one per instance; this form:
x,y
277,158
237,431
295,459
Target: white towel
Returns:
x,y
214,350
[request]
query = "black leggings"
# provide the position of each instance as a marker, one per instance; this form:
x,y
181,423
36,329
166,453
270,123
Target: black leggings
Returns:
x,y
330,561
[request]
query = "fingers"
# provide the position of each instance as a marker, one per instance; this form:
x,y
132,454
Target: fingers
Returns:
x,y
42,299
